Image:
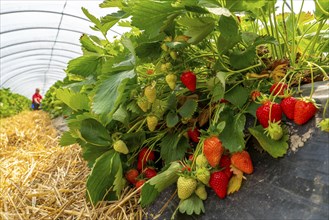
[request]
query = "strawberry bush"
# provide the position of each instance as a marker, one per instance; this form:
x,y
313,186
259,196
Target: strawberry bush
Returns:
x,y
168,102
12,103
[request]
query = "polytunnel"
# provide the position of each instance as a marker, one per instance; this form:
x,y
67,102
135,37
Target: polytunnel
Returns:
x,y
38,38
164,109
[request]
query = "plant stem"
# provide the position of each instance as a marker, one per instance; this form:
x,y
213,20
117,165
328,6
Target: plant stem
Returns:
x,y
276,30
293,49
325,109
322,70
312,79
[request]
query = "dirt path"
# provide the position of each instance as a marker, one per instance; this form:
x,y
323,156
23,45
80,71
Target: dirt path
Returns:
x,y
41,180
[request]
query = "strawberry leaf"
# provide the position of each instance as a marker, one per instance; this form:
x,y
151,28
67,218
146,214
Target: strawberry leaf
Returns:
x,y
274,148
229,34
91,152
188,109
160,14
172,119
85,65
104,174
76,101
172,142
234,128
67,139
157,184
89,45
110,90
95,133
121,115
198,28
192,205
237,96
242,59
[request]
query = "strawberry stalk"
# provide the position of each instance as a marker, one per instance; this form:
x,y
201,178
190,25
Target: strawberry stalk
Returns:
x,y
312,80
325,109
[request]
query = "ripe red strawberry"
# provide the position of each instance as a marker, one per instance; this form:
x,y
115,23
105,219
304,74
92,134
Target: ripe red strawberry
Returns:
x,y
213,150
186,168
255,94
149,172
219,182
224,101
189,80
225,162
278,88
140,183
242,161
150,71
144,155
288,106
263,113
194,134
131,176
305,109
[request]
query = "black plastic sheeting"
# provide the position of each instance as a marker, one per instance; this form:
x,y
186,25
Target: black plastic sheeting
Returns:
x,y
293,187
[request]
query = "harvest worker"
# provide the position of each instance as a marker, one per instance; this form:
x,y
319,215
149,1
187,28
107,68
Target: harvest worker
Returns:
x,y
36,99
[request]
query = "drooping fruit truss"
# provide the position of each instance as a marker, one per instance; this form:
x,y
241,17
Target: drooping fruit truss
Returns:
x,y
176,90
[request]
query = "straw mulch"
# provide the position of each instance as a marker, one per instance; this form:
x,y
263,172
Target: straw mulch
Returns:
x,y
41,180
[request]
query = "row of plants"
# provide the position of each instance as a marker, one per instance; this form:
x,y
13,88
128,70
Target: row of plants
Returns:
x,y
12,103
179,98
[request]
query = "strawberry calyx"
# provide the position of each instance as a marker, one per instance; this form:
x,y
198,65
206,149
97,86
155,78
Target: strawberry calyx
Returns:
x,y
262,99
310,100
274,130
324,124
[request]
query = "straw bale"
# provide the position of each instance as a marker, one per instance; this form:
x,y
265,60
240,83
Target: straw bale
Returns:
x,y
41,180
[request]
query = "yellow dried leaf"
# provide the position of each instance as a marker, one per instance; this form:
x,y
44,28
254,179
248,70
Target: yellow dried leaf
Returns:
x,y
234,184
279,72
236,171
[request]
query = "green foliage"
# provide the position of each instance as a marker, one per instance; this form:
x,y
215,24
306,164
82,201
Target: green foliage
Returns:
x,y
274,148
12,103
173,143
104,93
232,135
159,183
197,28
192,205
105,179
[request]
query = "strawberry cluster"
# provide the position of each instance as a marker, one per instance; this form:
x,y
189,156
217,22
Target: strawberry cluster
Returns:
x,y
269,114
144,171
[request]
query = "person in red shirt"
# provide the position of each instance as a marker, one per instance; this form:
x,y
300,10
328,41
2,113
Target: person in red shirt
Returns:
x,y
36,100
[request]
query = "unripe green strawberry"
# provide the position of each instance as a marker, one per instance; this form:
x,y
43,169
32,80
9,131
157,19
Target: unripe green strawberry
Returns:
x,y
152,122
173,55
164,47
120,147
186,187
201,161
274,130
150,93
203,175
171,79
143,104
324,125
201,192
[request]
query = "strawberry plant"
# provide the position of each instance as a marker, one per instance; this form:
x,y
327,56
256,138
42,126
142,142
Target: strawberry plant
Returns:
x,y
12,103
179,84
